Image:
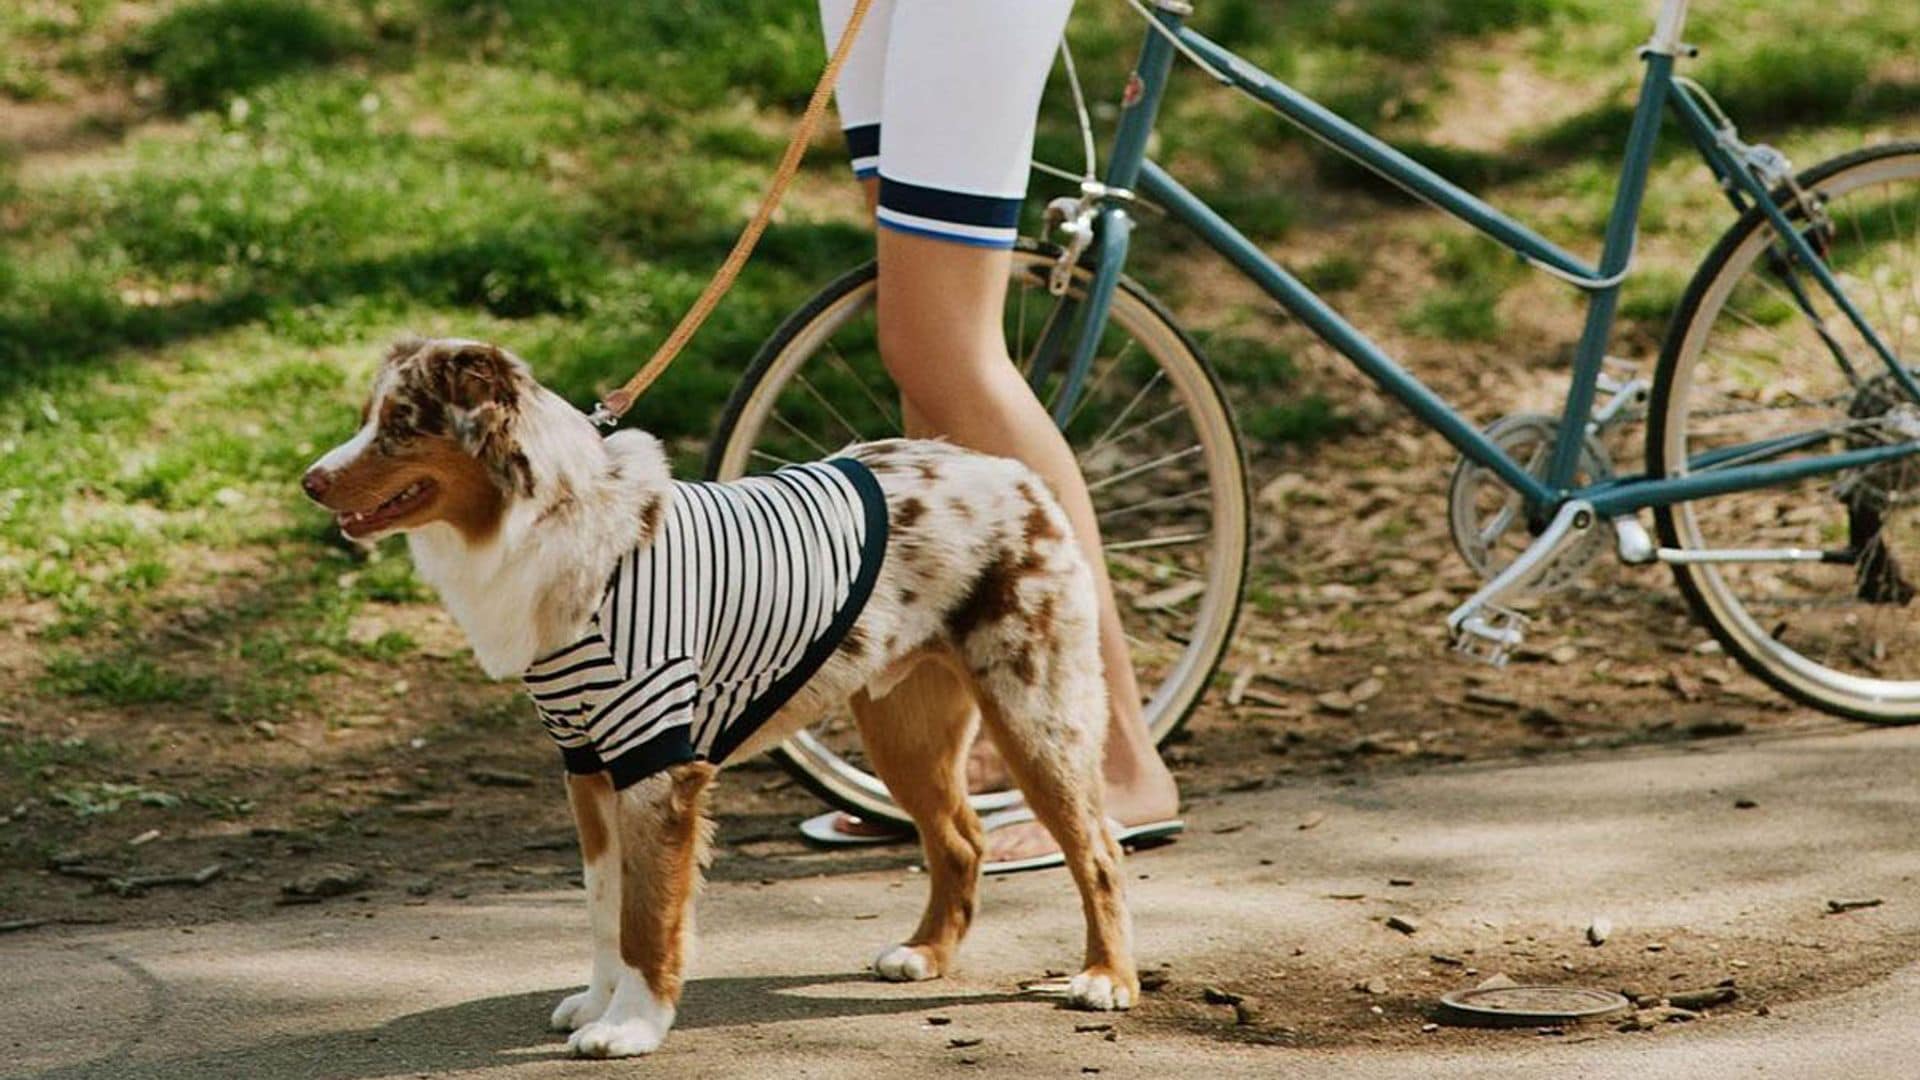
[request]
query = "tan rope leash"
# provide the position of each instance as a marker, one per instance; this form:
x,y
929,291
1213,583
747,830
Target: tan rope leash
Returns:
x,y
608,411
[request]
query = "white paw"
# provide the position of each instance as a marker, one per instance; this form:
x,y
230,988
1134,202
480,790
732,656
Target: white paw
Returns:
x,y
611,1039
1098,993
578,1010
903,963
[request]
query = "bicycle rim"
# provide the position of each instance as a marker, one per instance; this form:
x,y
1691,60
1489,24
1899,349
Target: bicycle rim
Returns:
x,y
1744,364
1155,439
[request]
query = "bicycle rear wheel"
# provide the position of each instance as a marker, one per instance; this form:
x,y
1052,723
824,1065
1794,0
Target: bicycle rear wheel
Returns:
x,y
1745,364
1154,437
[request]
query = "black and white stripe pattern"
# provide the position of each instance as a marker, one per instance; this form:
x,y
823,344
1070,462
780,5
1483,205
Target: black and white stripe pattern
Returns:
x,y
706,631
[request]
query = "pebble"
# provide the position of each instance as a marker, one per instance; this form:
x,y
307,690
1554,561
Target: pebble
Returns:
x,y
1599,930
500,778
1480,696
1365,690
1402,924
1836,907
1214,995
332,879
1702,999
1336,702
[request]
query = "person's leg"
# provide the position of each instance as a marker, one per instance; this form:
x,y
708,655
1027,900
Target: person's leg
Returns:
x,y
940,307
952,134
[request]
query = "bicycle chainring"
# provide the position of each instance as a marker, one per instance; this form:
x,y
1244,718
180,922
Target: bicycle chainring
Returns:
x,y
1488,519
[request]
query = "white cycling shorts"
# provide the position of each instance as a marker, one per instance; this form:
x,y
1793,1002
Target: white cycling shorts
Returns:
x,y
938,99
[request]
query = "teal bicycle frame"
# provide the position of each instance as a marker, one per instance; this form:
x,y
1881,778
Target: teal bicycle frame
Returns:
x,y
1130,171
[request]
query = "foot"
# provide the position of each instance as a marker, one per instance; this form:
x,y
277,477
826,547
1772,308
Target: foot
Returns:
x,y
1147,796
985,772
1102,990
634,1023
906,963
578,1010
849,825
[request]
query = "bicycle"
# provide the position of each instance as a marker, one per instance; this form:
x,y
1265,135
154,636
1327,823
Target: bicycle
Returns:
x,y
1783,427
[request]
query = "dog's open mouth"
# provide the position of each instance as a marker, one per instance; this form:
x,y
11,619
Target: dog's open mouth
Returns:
x,y
400,504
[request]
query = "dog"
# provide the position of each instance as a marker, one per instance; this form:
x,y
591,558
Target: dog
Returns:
x,y
935,589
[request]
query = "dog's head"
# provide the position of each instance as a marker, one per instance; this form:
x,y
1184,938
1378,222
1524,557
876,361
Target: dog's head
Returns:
x,y
438,442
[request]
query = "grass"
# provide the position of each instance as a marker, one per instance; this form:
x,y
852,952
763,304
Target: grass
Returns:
x,y
247,197
207,53
1473,274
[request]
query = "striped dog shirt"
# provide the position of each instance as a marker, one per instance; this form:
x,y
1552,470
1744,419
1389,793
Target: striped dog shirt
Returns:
x,y
706,631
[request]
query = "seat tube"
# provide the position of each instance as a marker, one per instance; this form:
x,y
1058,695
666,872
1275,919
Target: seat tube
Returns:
x,y
1140,104
1668,27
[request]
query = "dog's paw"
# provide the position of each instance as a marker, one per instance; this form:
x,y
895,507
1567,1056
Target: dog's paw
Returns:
x,y
612,1039
1101,990
578,1010
905,963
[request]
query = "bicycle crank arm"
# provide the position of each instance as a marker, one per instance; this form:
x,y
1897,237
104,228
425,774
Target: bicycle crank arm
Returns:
x,y
1638,549
1486,627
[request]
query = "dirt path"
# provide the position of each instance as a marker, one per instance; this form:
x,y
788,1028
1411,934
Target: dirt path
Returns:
x,y
1505,868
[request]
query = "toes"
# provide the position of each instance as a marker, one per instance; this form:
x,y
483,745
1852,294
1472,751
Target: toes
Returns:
x,y
904,963
578,1010
1099,992
606,1040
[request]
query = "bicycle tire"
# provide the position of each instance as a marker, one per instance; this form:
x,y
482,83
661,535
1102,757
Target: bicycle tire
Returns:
x,y
1706,593
867,797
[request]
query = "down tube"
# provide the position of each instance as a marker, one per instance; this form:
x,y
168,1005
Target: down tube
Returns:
x,y
1300,301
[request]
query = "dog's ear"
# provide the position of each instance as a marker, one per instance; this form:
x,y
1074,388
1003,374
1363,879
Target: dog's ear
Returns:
x,y
483,383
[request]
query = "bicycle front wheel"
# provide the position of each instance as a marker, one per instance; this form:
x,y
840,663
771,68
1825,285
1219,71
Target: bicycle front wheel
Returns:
x,y
1761,366
1153,436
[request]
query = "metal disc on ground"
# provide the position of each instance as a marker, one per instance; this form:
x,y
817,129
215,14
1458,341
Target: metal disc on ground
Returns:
x,y
1529,1006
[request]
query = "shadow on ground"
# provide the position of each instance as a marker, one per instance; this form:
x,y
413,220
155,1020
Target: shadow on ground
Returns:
x,y
489,1031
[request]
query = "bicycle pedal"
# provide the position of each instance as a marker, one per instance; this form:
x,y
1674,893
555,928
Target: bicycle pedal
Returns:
x,y
1490,635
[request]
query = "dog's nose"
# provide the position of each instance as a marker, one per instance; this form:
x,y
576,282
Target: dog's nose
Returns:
x,y
316,482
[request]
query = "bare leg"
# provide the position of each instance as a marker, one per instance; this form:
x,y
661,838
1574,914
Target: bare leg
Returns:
x,y
663,841
594,815
940,310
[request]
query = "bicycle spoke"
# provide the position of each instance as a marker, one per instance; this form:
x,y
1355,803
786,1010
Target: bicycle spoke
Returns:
x,y
1091,392
1158,542
764,456
1145,466
1145,425
886,411
807,385
1132,403
781,419
1152,504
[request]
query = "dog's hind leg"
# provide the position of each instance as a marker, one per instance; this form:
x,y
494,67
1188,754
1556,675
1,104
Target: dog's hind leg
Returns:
x,y
595,815
1044,703
663,843
916,737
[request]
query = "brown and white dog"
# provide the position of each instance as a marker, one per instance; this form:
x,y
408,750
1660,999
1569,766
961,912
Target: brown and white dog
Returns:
x,y
516,509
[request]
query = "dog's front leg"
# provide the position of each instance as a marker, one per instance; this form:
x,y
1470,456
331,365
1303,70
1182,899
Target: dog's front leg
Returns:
x,y
596,816
663,833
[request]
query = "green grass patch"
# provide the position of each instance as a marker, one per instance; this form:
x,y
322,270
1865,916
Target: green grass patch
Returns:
x,y
206,53
1473,274
127,679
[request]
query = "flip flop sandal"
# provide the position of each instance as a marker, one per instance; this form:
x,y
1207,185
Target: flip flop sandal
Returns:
x,y
1152,833
824,829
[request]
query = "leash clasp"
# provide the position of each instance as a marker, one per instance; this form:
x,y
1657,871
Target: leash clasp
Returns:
x,y
601,416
